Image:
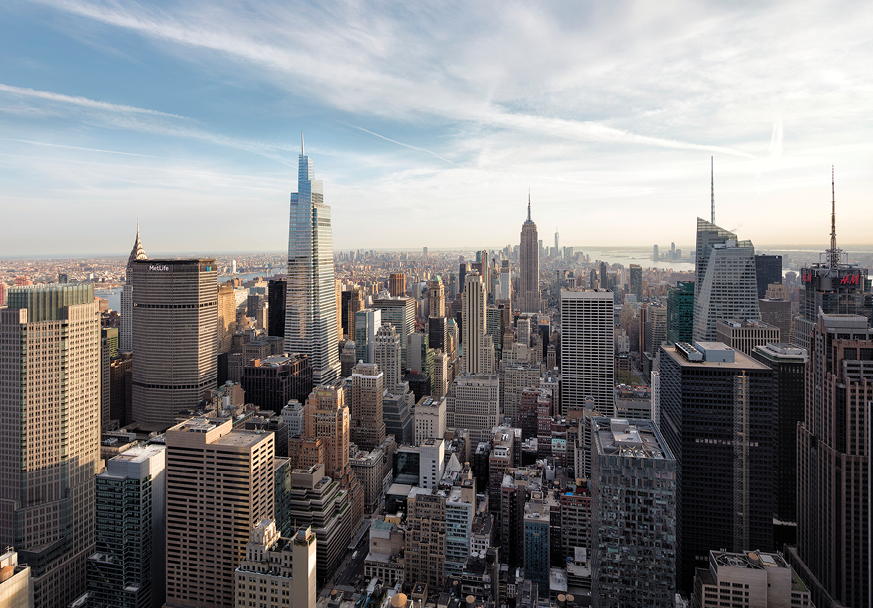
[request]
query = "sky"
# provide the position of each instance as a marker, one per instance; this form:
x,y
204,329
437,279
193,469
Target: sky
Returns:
x,y
431,122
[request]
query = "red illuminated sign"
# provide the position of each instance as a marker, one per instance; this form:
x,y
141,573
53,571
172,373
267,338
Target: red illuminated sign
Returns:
x,y
807,277
849,279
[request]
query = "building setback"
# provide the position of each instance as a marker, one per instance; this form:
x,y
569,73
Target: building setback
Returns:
x,y
528,267
744,335
271,382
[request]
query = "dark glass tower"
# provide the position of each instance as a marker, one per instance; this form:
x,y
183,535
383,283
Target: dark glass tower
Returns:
x,y
680,312
717,417
276,296
768,269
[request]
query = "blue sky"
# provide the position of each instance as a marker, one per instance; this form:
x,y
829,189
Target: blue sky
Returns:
x,y
428,122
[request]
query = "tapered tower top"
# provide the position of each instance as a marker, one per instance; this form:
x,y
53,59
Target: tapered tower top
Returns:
x,y
137,253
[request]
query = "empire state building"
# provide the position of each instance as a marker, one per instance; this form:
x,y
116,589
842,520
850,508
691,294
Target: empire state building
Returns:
x,y
310,309
529,267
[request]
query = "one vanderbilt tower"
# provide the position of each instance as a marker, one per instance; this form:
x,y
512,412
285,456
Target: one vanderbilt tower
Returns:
x,y
310,312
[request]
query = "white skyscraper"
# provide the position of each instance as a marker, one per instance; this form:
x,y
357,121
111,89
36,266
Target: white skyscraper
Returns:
x,y
473,324
726,286
587,349
386,354
310,311
125,336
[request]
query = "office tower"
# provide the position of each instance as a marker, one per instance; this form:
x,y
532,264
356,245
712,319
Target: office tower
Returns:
x,y
680,312
494,327
317,502
174,328
397,410
768,269
3,303
400,312
604,280
121,389
277,572
437,332
587,345
108,350
425,537
367,323
127,569
725,286
833,286
460,515
505,281
126,335
473,404
439,382
432,462
463,269
833,463
515,377
50,407
227,317
310,314
219,485
338,290
717,415
347,358
277,297
437,296
636,281
419,355
788,363
368,388
656,327
273,381
424,252
473,324
633,565
16,586
778,314
529,267
744,336
523,329
387,353
352,301
397,284
768,580
327,417
531,402
430,419
537,549
557,242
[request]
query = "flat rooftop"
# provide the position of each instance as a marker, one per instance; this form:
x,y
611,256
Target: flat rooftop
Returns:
x,y
629,438
740,362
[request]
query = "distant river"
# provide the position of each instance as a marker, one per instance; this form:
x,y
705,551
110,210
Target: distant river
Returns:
x,y
627,258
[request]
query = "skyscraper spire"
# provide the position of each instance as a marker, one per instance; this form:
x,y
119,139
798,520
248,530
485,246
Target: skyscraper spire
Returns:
x,y
302,152
528,204
834,252
712,185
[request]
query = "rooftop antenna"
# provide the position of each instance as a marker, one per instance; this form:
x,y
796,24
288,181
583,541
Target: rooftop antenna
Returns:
x,y
302,153
834,252
712,185
528,204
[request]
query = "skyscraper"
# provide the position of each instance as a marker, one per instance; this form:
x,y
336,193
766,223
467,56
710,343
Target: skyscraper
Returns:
x,y
277,296
310,313
528,267
833,463
833,286
680,312
636,281
367,322
368,390
725,286
175,315
127,569
557,242
437,297
634,479
125,338
397,284
717,415
587,349
386,354
473,324
400,312
505,283
768,269
220,483
50,435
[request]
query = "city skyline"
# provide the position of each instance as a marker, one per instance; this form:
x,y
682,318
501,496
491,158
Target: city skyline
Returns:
x,y
629,105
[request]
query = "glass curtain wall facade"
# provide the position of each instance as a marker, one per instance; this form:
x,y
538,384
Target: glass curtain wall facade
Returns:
x,y
310,310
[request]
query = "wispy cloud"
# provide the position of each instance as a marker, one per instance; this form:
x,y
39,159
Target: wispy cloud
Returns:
x,y
399,143
85,102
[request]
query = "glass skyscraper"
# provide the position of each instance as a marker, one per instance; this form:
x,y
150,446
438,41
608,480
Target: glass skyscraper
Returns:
x,y
310,312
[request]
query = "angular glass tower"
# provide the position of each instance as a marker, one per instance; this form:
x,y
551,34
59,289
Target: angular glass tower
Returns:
x,y
725,285
310,311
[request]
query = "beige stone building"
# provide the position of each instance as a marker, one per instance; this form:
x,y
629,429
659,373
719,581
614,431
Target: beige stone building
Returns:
x,y
16,586
425,553
368,391
277,572
219,486
430,419
49,436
